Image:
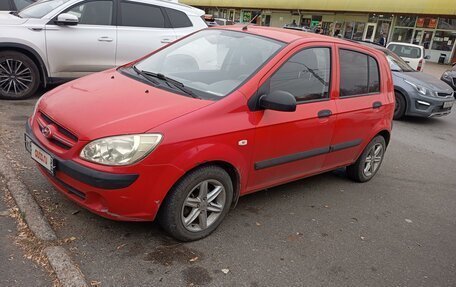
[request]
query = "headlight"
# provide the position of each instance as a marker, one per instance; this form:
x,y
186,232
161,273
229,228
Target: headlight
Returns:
x,y
446,75
120,150
422,90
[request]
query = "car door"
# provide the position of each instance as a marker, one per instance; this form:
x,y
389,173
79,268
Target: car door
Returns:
x,y
361,96
89,46
142,29
289,145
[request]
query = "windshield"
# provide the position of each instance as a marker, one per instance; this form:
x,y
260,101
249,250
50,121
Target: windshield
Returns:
x,y
396,63
40,8
405,51
212,62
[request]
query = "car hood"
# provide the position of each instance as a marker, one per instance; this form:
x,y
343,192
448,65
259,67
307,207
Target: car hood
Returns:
x,y
425,80
7,19
110,103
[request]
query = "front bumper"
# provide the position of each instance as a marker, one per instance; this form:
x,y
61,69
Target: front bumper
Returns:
x,y
429,106
126,197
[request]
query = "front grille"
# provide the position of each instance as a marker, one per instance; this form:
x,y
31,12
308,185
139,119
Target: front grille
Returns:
x,y
62,137
445,95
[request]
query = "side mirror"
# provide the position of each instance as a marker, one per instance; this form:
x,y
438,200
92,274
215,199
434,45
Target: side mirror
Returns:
x,y
278,101
427,57
66,19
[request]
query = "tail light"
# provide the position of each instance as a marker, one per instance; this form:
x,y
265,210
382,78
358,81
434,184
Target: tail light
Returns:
x,y
420,65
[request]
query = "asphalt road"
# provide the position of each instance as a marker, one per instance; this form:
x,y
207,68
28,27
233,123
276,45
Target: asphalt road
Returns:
x,y
397,230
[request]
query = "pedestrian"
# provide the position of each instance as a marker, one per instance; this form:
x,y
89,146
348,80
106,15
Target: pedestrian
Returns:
x,y
382,40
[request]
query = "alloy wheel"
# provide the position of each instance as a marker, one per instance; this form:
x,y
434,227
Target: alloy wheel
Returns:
x,y
203,205
373,160
15,77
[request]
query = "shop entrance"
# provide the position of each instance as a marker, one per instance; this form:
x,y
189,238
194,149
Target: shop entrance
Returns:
x,y
423,38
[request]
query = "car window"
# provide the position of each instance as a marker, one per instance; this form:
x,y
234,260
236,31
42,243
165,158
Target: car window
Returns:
x,y
40,8
178,19
141,15
359,74
5,5
405,51
396,63
93,13
305,75
21,4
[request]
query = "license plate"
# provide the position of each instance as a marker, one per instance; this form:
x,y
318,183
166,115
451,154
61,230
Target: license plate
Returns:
x,y
39,155
447,105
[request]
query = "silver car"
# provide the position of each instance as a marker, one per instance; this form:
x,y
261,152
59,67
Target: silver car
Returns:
x,y
55,40
417,94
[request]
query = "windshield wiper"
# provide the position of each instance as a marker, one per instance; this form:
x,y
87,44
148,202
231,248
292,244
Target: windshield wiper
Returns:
x,y
15,13
146,75
171,83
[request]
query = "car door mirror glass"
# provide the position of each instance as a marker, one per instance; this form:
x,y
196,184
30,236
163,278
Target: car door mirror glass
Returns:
x,y
67,19
278,101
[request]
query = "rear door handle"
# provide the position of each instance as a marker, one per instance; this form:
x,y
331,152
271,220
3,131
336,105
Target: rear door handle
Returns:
x,y
324,113
105,39
376,105
166,40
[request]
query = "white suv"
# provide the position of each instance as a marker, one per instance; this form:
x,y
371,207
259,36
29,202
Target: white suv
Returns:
x,y
55,40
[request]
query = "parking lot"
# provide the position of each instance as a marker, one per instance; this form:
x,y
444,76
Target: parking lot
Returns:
x,y
395,230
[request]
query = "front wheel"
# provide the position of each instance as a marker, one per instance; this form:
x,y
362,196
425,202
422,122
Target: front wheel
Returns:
x,y
369,161
197,204
399,107
19,76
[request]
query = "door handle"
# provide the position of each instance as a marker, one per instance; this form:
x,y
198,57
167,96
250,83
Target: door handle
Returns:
x,y
105,39
166,40
376,105
324,113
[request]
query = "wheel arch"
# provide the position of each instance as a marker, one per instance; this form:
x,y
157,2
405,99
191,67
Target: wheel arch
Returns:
x,y
32,54
403,94
386,135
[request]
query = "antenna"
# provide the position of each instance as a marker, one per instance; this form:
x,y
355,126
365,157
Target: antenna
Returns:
x,y
250,22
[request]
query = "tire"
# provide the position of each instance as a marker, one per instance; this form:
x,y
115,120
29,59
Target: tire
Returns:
x,y
19,76
399,107
357,171
186,198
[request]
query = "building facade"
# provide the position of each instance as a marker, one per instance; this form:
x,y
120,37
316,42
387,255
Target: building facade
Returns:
x,y
430,23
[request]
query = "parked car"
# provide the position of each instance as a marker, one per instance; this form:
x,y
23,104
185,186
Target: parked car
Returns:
x,y
223,22
417,94
179,135
449,77
14,5
413,55
52,41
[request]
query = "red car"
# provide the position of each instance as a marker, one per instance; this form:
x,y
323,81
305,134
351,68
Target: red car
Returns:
x,y
182,133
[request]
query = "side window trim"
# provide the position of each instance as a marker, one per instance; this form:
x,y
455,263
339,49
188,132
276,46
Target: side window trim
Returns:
x,y
114,12
352,49
167,24
331,65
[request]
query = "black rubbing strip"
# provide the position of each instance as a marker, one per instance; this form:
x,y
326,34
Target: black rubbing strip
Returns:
x,y
345,145
290,158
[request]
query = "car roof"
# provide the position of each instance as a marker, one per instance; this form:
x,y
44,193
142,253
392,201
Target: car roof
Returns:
x,y
405,44
289,35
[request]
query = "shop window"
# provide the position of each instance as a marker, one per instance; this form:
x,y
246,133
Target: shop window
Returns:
x,y
405,21
402,35
447,23
426,22
359,31
443,41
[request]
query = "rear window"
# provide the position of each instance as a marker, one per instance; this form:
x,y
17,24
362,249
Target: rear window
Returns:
x,y
405,51
359,74
178,19
5,5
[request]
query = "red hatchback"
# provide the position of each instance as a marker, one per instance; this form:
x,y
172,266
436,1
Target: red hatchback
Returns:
x,y
180,134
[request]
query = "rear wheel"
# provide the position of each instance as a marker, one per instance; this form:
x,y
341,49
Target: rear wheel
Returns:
x,y
197,204
399,107
368,164
19,76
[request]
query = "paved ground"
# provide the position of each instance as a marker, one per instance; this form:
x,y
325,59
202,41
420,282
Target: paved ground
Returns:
x,y
15,270
396,230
